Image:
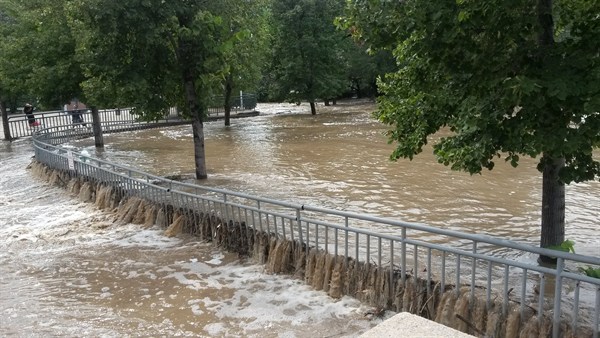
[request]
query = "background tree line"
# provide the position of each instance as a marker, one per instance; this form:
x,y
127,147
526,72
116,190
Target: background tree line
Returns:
x,y
134,52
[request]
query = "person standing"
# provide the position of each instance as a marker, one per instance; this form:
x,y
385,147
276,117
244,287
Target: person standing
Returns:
x,y
28,110
76,111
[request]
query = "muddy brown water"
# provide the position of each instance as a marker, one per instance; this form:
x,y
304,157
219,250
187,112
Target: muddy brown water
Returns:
x,y
339,159
68,270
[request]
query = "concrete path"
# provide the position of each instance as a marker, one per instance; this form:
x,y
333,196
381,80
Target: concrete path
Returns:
x,y
406,324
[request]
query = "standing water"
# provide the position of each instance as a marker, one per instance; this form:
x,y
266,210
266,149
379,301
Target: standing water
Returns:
x,y
67,269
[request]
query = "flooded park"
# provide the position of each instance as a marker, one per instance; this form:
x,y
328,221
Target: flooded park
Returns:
x,y
67,269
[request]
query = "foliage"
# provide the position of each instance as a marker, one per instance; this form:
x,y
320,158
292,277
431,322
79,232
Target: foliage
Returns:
x,y
142,64
476,68
248,29
39,52
308,54
498,79
569,246
364,68
566,246
591,272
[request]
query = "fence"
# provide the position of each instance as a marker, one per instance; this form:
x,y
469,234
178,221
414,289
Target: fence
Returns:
x,y
452,258
19,126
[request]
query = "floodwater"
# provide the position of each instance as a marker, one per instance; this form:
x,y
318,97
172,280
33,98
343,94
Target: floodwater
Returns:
x,y
67,269
339,159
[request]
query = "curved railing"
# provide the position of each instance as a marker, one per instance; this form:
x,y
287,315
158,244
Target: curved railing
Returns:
x,y
408,250
19,127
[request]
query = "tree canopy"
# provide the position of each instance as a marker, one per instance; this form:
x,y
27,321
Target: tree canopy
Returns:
x,y
507,79
308,54
38,53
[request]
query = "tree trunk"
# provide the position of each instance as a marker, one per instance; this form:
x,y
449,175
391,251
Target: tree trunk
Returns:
x,y
313,108
227,103
553,190
187,63
199,151
326,103
97,128
553,206
197,123
5,124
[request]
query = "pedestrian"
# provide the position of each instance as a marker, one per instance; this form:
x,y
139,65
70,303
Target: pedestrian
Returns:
x,y
76,110
28,110
76,115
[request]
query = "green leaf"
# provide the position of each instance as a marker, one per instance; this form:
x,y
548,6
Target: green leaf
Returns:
x,y
591,272
566,246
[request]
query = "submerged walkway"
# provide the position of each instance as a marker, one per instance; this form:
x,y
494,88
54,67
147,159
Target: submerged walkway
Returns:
x,y
343,253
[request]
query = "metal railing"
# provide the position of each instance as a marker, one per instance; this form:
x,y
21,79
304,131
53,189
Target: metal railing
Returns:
x,y
19,125
410,250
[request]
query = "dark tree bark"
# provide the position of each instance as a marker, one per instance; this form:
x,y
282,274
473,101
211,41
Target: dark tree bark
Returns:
x,y
553,206
197,125
313,108
5,125
227,97
553,190
199,151
97,128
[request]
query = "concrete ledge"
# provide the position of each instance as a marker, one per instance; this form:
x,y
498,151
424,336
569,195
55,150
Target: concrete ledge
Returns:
x,y
406,324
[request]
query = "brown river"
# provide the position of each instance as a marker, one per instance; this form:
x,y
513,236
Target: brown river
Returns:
x,y
67,270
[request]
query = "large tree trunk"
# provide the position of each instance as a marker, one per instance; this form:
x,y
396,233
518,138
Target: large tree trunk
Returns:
x,y
199,151
313,108
197,124
197,129
553,190
97,128
5,125
227,97
187,63
553,206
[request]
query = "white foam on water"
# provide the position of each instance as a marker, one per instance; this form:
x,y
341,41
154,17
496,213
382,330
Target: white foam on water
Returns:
x,y
67,269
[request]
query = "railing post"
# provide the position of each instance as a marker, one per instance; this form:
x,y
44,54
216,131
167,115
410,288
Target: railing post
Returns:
x,y
596,328
300,226
403,257
560,265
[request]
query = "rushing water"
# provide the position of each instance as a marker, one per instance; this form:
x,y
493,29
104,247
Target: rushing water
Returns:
x,y
67,269
340,159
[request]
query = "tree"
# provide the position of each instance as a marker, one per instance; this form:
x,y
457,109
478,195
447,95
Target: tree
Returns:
x,y
308,54
247,28
171,56
39,53
8,83
507,79
364,68
37,63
